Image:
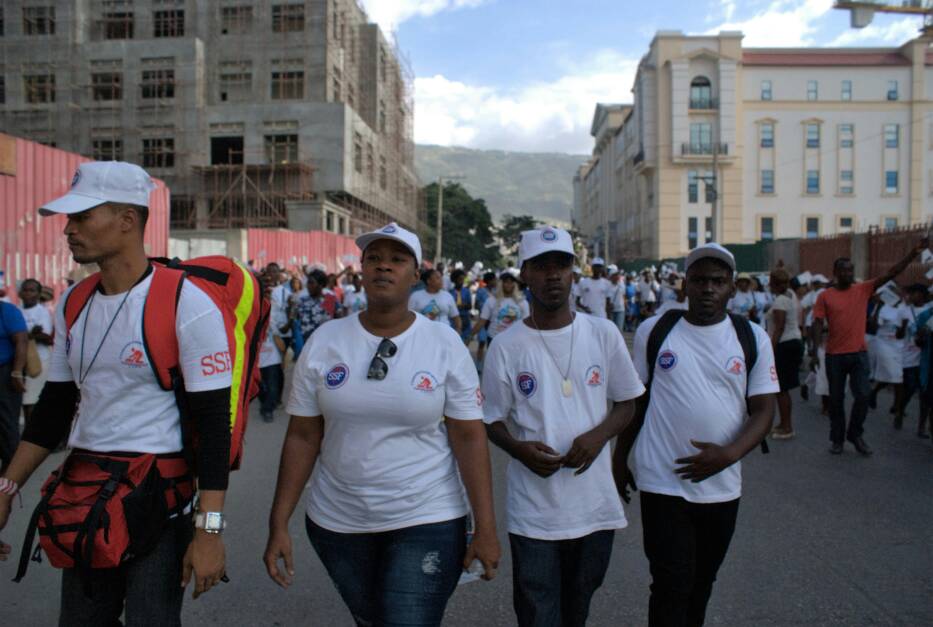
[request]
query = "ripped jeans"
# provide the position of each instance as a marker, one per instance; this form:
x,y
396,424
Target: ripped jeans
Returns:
x,y
394,578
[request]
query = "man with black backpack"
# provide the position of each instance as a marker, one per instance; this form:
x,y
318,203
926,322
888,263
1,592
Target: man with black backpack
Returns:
x,y
117,516
711,384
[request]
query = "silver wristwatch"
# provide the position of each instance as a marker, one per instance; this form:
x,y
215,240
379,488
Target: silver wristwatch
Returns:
x,y
210,522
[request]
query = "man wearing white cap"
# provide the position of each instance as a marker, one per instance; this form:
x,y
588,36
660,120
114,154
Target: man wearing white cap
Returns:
x,y
595,296
692,428
548,381
121,407
617,296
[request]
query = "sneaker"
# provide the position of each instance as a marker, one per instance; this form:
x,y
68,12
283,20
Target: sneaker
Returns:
x,y
782,435
860,446
836,448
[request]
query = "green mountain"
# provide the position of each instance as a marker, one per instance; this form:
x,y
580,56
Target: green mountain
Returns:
x,y
517,183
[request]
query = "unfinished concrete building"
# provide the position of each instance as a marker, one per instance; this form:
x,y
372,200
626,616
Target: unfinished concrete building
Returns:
x,y
287,113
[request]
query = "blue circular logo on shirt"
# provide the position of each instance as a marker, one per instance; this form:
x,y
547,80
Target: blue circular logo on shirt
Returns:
x,y
548,235
527,384
337,376
667,360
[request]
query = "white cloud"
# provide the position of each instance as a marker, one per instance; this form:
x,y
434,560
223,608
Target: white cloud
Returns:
x,y
549,116
390,13
782,23
893,33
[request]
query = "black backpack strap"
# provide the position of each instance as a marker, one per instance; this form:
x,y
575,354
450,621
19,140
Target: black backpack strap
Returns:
x,y
746,335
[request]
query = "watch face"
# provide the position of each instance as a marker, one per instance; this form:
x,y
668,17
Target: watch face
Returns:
x,y
213,520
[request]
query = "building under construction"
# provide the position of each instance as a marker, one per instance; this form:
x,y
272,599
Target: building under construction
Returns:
x,y
256,114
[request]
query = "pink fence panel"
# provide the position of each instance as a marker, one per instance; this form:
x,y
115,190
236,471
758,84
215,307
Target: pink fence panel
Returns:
x,y
34,247
886,248
818,255
295,249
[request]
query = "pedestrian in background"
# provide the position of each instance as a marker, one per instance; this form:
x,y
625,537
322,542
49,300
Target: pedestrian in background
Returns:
x,y
910,311
783,325
617,296
434,302
272,376
39,326
463,299
354,300
507,307
315,306
485,291
548,381
705,409
14,342
386,422
842,310
595,293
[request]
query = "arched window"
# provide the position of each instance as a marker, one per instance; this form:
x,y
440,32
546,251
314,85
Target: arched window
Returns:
x,y
701,93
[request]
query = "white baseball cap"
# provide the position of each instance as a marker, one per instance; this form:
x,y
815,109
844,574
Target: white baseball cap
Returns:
x,y
598,261
394,232
612,269
711,250
542,240
819,278
99,182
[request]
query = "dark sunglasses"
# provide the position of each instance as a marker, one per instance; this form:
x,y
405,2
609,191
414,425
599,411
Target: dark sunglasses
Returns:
x,y
378,368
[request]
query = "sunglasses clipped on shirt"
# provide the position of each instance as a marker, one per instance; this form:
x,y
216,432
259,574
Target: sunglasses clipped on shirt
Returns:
x,y
378,368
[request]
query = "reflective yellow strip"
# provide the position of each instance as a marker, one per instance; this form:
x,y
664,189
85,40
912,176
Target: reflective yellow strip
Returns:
x,y
243,310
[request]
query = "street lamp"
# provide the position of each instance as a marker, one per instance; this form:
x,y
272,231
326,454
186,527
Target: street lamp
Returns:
x,y
440,214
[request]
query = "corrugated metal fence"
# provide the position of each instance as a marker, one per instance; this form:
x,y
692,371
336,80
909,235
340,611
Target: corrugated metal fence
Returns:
x,y
291,249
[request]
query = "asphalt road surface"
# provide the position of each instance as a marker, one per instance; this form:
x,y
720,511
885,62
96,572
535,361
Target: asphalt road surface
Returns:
x,y
821,540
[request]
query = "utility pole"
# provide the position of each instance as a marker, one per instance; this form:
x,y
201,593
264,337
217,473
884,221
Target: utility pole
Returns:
x,y
438,256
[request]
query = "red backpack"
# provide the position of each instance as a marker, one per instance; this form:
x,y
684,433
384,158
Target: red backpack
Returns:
x,y
79,520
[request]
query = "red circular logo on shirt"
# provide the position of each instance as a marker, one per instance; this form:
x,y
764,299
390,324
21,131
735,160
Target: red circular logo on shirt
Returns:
x,y
594,376
424,381
735,365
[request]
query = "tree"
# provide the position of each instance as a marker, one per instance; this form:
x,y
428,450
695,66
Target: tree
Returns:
x,y
512,227
468,227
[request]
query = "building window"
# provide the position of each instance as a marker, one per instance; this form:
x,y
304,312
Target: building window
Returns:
x,y
767,135
813,135
846,135
701,138
106,86
708,227
766,225
235,20
158,84
692,234
235,86
767,181
692,187
38,20
890,181
892,90
288,85
813,181
890,223
813,227
358,152
383,174
288,18
168,23
39,88
701,93
382,119
118,25
159,152
2,90
107,149
891,132
847,90
813,90
766,90
282,148
845,223
846,185
329,221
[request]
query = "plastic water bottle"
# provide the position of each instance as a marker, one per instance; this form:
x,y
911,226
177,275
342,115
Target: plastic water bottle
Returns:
x,y
476,569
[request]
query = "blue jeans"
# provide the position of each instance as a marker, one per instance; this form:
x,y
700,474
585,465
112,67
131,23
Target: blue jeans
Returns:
x,y
553,581
149,587
618,317
855,367
394,578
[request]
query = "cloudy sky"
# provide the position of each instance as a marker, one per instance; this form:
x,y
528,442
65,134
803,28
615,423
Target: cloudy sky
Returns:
x,y
526,74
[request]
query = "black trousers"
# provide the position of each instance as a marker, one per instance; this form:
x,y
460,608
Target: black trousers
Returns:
x,y
685,544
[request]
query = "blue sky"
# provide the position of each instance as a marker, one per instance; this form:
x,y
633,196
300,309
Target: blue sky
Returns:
x,y
526,74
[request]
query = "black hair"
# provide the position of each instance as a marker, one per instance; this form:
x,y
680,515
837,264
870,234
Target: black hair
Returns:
x,y
142,213
36,281
426,274
456,274
489,276
913,287
319,276
507,274
839,261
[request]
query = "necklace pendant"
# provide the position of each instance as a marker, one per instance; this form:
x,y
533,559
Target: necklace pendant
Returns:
x,y
566,388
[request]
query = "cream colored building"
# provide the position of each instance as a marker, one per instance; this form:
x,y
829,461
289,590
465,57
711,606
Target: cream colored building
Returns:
x,y
741,144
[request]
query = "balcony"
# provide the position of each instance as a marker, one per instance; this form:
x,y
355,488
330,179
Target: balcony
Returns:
x,y
703,149
704,104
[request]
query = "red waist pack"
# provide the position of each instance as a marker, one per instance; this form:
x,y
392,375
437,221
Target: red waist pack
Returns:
x,y
99,510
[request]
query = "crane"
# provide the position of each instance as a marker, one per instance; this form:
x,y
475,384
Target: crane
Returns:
x,y
863,11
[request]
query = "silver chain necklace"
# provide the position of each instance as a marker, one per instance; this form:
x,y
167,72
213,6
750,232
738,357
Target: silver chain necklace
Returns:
x,y
566,386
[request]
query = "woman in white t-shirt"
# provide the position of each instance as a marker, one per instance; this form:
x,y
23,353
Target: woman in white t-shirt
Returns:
x,y
387,423
783,324
39,325
887,353
502,310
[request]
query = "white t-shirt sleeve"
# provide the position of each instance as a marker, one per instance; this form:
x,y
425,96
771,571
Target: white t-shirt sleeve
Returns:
x,y
451,304
525,309
497,388
624,382
303,399
203,352
463,400
640,347
763,378
488,306
59,369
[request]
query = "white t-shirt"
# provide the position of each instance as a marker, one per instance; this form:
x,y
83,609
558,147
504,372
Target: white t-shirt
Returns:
x,y
789,304
808,302
668,293
647,291
698,394
353,301
672,304
889,321
523,386
593,295
574,293
617,296
502,313
269,354
39,316
278,309
912,352
122,407
439,307
742,303
385,461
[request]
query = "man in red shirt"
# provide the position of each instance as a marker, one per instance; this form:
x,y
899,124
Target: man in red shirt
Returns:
x,y
843,309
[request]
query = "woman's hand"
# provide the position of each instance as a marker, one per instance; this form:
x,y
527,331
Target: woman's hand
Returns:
x,y
278,547
485,548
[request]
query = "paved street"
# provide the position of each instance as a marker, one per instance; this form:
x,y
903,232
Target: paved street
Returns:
x,y
820,540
